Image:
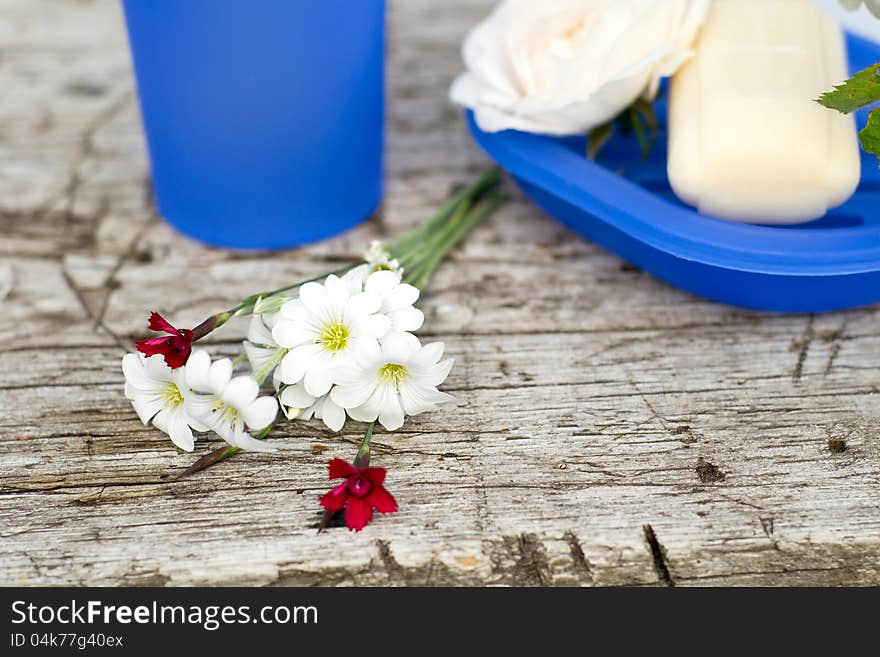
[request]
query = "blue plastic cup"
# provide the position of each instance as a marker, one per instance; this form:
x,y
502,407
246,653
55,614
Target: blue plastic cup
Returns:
x,y
264,120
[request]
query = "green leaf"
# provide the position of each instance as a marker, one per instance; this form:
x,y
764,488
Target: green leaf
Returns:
x,y
859,91
870,136
599,137
647,126
639,118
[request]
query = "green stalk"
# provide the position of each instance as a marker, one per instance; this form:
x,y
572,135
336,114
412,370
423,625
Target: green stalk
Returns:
x,y
362,458
420,277
427,247
246,307
261,376
475,189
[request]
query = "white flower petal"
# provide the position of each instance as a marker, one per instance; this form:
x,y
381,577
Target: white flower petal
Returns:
x,y
136,375
296,396
360,304
363,413
313,297
356,393
436,374
220,374
147,407
338,291
179,430
317,381
292,333
198,371
429,355
250,444
407,319
376,325
332,415
396,348
391,414
156,368
260,413
382,282
259,357
240,392
259,332
365,352
384,405
420,399
293,309
400,297
294,364
357,277
198,407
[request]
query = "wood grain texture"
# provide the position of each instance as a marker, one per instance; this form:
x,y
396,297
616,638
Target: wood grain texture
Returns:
x,y
610,429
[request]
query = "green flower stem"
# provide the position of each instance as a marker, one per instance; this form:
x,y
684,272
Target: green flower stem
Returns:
x,y
487,181
420,277
427,247
362,458
261,376
246,307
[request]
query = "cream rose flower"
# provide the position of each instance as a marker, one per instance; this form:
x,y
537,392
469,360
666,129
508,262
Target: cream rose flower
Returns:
x,y
563,67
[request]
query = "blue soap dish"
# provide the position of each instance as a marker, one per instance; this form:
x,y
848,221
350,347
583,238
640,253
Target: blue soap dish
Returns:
x,y
625,203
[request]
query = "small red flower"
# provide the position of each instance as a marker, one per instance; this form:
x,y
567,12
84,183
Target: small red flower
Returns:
x,y
360,493
175,348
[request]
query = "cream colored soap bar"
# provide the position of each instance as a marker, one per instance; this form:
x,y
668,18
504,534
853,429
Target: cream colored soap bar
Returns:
x,y
747,142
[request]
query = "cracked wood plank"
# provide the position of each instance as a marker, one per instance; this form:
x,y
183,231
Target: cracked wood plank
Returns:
x,y
610,429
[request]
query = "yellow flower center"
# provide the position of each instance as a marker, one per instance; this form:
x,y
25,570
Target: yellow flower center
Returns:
x,y
393,374
171,395
228,414
382,267
334,337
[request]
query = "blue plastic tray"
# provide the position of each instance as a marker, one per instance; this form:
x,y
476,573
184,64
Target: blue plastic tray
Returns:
x,y
625,203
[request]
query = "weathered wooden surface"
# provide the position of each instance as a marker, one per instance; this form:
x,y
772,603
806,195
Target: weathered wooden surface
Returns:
x,y
595,402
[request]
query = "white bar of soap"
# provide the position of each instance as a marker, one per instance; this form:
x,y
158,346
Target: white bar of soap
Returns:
x,y
747,141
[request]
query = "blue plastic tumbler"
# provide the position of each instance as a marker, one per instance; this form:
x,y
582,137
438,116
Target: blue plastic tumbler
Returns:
x,y
264,120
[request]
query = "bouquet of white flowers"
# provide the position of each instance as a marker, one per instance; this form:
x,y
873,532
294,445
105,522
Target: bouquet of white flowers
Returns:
x,y
336,347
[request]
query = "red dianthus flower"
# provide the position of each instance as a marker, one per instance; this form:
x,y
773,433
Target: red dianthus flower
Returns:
x,y
360,493
175,347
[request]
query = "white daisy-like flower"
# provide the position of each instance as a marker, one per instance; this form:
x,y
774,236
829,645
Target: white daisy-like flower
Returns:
x,y
263,353
297,403
157,393
391,382
226,405
397,305
379,259
327,326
